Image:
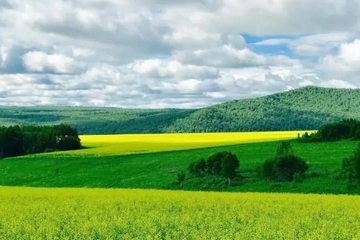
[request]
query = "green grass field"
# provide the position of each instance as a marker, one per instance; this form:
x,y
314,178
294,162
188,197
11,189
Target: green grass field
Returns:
x,y
159,169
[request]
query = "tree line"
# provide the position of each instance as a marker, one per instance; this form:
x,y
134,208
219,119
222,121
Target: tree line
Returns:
x,y
20,140
335,131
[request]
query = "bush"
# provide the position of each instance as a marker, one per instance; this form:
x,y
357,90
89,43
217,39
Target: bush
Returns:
x,y
284,166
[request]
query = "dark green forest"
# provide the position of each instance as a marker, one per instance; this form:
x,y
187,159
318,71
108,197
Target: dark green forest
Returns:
x,y
90,120
21,140
300,109
347,129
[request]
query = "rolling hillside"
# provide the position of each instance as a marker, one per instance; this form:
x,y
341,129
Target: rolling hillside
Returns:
x,y
304,108
300,109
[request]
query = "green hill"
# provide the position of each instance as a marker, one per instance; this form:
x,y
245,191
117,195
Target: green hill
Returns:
x,y
299,109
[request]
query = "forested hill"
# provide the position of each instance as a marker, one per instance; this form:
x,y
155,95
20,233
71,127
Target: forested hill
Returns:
x,y
90,120
304,108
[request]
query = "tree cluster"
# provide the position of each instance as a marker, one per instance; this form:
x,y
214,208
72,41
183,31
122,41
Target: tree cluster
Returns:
x,y
21,140
223,164
285,166
345,129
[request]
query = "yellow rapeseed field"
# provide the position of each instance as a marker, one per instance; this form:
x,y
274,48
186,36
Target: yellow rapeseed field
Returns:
x,y
144,143
31,213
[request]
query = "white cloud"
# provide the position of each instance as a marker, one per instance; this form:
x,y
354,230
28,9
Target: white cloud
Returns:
x,y
335,83
185,37
320,44
224,56
274,42
274,17
347,59
36,61
157,68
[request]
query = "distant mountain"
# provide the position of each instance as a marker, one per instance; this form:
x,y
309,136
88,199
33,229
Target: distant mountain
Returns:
x,y
299,109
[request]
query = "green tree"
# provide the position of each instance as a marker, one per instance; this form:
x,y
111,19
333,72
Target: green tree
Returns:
x,y
284,165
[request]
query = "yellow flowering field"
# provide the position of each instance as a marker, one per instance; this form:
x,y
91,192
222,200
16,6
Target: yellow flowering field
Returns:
x,y
144,143
36,213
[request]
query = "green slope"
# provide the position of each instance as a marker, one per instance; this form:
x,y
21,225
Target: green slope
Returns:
x,y
304,108
158,170
300,109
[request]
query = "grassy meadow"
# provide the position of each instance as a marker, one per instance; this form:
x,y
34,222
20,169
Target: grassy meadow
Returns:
x,y
110,163
40,213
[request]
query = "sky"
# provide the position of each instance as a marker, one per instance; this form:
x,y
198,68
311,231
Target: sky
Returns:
x,y
172,53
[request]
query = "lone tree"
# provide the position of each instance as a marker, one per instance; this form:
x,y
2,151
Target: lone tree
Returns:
x,y
284,166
